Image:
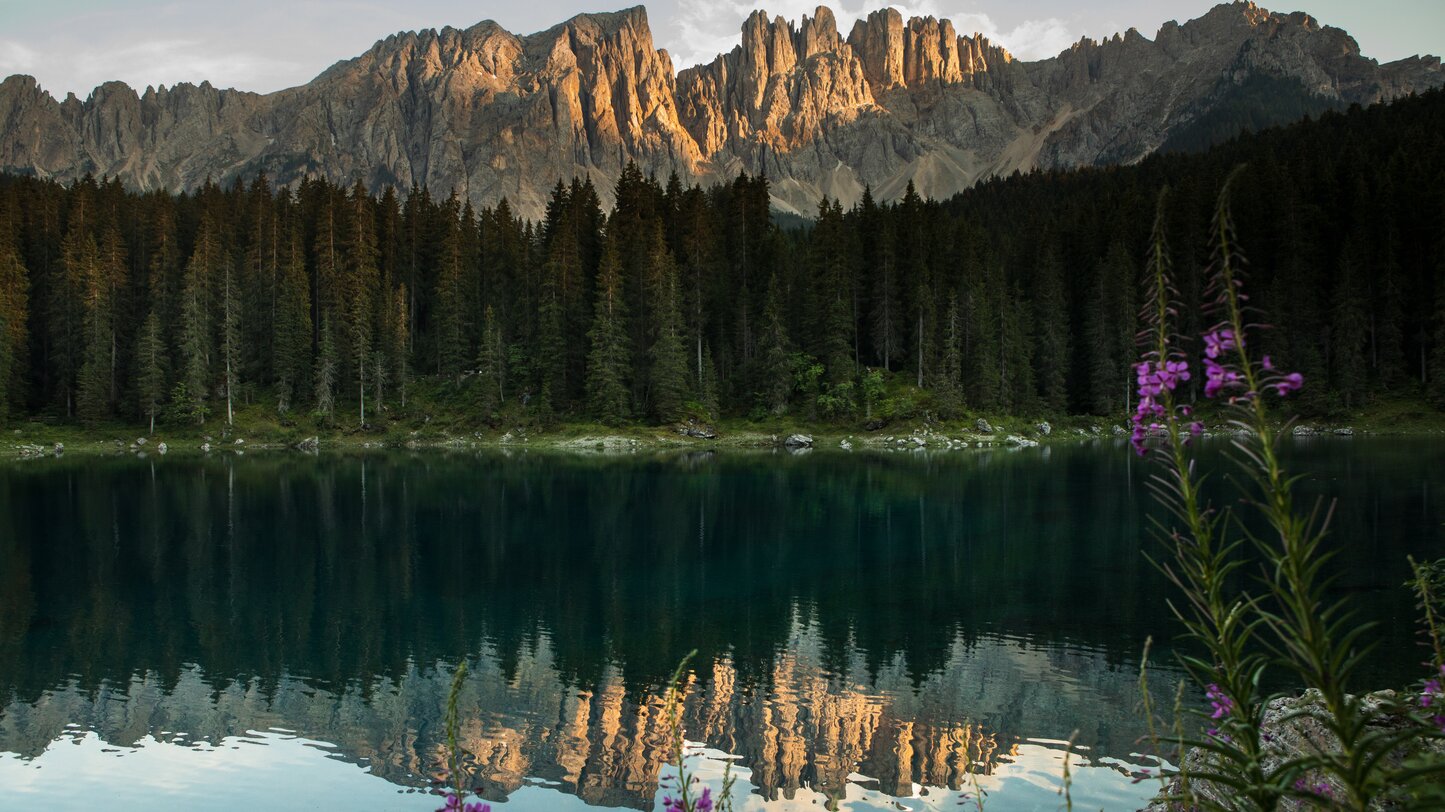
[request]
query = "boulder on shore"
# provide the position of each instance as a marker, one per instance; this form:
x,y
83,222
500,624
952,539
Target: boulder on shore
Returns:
x,y
310,445
799,441
983,426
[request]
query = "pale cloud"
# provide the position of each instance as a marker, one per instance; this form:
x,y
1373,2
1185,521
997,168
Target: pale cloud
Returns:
x,y
169,61
15,58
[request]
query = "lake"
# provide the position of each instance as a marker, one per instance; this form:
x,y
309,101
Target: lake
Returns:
x,y
874,630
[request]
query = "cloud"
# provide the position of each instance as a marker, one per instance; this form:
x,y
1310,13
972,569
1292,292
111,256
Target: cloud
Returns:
x,y
702,29
15,58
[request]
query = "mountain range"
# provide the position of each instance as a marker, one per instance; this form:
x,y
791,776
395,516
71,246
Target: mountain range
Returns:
x,y
491,114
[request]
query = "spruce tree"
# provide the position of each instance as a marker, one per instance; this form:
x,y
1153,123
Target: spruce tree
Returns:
x,y
491,365
774,379
150,369
291,345
609,358
1349,333
1051,330
193,388
230,335
67,314
361,270
326,372
398,345
14,313
668,354
949,375
451,329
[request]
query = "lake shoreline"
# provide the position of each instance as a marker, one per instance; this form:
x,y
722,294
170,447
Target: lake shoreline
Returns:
x,y
35,439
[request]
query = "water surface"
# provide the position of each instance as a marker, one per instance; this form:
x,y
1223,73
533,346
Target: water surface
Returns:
x,y
279,631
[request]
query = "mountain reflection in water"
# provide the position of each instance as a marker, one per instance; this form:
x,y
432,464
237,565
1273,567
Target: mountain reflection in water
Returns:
x,y
870,624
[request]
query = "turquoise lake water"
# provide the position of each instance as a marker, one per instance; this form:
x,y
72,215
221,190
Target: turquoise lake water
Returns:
x,y
874,631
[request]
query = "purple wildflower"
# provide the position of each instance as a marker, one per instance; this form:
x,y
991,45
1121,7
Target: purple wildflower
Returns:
x,y
1222,704
1218,377
1219,341
704,803
1320,788
1288,383
1154,382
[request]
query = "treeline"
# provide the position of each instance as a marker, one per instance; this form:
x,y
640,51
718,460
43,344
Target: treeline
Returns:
x,y
1017,296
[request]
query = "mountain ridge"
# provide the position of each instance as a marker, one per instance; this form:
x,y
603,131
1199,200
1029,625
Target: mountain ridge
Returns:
x,y
491,114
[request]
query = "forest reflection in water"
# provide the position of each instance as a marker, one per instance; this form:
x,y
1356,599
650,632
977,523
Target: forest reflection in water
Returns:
x,y
865,623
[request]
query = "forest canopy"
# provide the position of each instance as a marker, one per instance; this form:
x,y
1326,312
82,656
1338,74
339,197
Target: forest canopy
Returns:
x,y
1018,296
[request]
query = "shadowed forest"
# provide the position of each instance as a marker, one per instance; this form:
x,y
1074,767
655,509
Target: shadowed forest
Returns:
x,y
1018,296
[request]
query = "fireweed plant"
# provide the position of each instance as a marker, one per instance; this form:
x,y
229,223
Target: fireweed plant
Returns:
x,y
681,793
452,779
1286,620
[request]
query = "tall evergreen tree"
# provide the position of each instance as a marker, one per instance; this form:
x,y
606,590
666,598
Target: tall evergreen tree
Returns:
x,y
668,354
491,365
230,335
774,378
192,395
293,331
326,373
150,369
14,313
1051,330
609,358
949,375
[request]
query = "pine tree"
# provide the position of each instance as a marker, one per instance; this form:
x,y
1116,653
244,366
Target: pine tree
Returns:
x,y
14,314
668,354
551,344
610,358
1051,330
150,369
886,318
398,346
775,372
981,339
361,261
1349,333
491,365
1109,332
192,396
949,376
293,331
79,258
451,329
230,335
326,364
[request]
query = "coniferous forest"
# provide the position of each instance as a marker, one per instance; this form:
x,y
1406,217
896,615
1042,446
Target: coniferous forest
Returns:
x,y
1017,297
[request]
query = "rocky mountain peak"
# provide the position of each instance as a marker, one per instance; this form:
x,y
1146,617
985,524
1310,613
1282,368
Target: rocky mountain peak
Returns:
x,y
493,114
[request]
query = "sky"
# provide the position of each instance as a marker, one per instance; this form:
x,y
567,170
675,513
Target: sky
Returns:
x,y
267,45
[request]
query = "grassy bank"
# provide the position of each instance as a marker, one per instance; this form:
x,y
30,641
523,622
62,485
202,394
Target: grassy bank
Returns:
x,y
431,420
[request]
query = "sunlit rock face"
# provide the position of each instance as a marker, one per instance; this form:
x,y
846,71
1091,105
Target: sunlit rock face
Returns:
x,y
492,114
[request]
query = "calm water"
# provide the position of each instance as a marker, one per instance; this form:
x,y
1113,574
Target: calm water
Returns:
x,y
280,631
